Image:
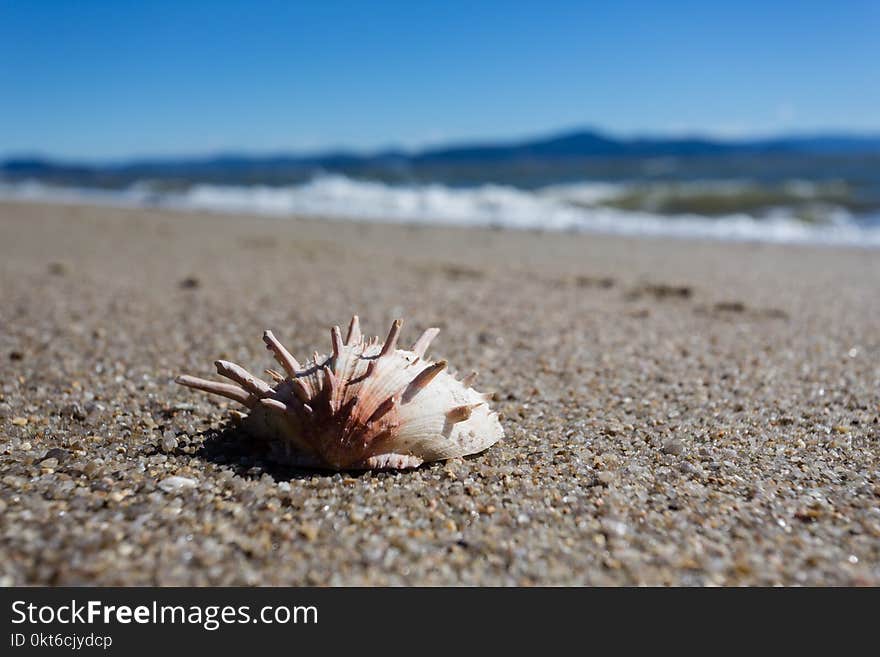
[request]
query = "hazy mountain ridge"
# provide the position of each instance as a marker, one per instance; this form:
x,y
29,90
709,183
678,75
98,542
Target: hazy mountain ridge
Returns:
x,y
552,153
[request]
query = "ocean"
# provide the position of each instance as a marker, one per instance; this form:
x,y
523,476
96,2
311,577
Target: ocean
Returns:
x,y
821,205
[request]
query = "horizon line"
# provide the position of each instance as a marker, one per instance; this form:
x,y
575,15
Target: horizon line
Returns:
x,y
718,137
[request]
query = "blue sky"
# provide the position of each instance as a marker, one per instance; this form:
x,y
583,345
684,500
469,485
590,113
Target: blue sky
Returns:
x,y
111,79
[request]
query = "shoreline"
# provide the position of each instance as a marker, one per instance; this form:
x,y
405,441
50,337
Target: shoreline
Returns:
x,y
676,412
487,207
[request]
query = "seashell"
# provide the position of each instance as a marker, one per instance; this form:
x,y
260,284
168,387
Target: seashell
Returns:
x,y
367,405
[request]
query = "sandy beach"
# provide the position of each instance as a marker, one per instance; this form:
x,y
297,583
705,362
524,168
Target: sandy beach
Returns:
x,y
676,412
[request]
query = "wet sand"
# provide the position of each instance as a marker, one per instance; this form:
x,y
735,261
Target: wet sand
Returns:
x,y
675,412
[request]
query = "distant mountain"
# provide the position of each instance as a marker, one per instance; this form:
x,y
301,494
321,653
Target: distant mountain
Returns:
x,y
587,144
461,163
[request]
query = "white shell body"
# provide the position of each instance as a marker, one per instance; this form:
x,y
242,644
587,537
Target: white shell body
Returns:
x,y
366,405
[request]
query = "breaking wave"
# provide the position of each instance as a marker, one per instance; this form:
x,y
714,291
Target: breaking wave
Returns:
x,y
582,207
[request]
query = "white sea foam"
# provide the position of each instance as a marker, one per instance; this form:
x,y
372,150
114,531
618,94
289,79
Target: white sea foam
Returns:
x,y
558,207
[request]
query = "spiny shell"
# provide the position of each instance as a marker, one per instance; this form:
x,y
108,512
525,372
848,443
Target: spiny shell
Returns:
x,y
366,405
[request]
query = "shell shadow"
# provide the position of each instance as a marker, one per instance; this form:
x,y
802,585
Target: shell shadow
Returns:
x,y
236,450
249,458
